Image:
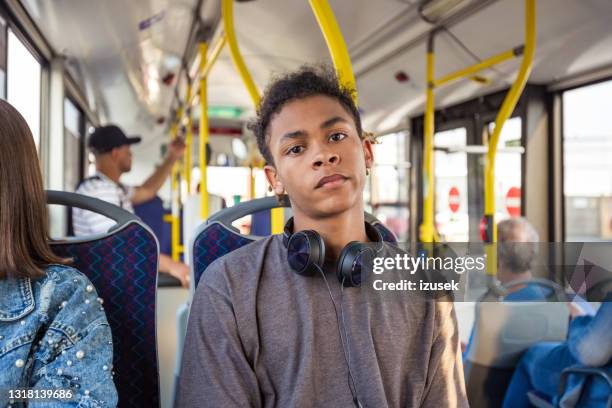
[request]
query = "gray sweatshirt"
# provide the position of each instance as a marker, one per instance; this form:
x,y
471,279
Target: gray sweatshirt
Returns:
x,y
260,335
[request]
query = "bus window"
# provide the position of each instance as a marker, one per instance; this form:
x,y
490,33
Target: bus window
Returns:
x,y
23,85
2,58
451,195
73,145
508,171
389,184
587,152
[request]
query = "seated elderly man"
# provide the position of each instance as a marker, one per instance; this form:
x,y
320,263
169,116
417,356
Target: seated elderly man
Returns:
x,y
517,253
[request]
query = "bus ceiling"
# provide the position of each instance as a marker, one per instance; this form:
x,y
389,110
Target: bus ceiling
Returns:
x,y
123,54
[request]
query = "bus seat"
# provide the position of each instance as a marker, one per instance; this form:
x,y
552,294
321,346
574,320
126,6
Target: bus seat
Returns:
x,y
596,392
503,330
217,237
122,264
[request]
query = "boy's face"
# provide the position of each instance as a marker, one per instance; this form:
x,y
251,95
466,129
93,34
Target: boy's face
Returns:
x,y
319,159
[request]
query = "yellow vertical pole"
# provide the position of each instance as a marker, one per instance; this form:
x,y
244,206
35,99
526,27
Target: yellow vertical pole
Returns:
x,y
227,10
176,199
188,141
506,110
252,182
335,43
427,227
203,134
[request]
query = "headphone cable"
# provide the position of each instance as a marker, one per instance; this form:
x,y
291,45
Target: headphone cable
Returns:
x,y
353,389
346,336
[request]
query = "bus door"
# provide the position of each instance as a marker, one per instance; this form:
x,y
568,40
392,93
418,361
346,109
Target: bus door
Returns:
x,y
454,183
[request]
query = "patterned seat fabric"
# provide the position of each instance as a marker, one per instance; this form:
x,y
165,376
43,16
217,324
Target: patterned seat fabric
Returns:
x,y
216,240
213,242
123,268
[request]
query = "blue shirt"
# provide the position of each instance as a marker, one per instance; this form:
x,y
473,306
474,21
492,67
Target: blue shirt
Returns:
x,y
54,335
590,344
530,293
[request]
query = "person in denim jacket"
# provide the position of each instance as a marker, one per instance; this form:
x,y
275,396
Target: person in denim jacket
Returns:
x,y
54,335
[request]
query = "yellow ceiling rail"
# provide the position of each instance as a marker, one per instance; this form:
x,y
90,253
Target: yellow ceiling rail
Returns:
x,y
204,130
335,43
487,63
227,10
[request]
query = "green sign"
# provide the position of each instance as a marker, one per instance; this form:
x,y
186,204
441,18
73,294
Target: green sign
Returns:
x,y
225,112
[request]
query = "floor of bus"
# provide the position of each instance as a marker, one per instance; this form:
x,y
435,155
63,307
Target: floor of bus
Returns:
x,y
169,300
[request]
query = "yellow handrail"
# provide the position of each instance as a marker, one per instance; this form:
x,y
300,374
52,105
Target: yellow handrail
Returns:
x,y
471,70
227,10
251,183
335,43
188,141
203,131
427,231
176,196
504,113
276,214
210,62
214,54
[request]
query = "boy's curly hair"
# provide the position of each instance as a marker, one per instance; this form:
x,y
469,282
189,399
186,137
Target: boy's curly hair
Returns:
x,y
306,81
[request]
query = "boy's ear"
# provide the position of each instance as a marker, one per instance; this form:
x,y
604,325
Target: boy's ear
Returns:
x,y
273,179
368,152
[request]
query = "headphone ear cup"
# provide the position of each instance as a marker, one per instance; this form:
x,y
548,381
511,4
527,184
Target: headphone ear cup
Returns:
x,y
352,268
305,252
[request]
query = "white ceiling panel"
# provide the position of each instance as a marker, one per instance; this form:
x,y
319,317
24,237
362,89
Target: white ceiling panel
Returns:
x,y
127,47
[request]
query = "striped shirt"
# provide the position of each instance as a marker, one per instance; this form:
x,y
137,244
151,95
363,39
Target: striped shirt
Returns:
x,y
103,188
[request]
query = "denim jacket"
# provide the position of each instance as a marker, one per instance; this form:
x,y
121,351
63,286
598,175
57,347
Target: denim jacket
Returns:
x,y
54,335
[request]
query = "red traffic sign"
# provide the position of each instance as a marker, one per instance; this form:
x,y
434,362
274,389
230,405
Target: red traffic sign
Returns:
x,y
482,227
453,199
513,201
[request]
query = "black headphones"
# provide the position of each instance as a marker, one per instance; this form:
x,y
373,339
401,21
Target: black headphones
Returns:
x,y
306,254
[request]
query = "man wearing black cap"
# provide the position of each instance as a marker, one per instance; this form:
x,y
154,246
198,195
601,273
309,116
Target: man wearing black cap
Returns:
x,y
111,148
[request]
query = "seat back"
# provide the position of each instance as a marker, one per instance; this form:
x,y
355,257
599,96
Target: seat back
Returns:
x,y
152,214
217,237
503,330
592,388
122,264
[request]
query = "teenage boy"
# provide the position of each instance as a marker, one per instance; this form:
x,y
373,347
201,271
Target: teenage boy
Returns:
x,y
261,335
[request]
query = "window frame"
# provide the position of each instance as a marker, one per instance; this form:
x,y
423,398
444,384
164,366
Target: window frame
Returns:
x,y
4,52
558,136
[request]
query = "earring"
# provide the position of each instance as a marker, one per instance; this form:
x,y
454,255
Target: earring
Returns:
x,y
270,189
367,171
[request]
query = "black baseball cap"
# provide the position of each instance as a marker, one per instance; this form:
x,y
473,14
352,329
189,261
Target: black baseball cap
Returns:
x,y
106,138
